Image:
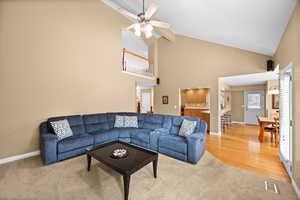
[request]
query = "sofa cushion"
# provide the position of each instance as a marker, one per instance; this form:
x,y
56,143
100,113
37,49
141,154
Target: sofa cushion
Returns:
x,y
153,121
175,143
95,122
112,116
103,136
142,135
177,121
75,122
124,132
74,142
119,121
131,121
62,129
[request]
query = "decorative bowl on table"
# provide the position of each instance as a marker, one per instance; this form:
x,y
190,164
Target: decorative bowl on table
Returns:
x,y
119,153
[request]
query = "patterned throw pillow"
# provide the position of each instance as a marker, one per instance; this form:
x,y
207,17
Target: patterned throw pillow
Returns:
x,y
119,121
62,129
187,128
131,121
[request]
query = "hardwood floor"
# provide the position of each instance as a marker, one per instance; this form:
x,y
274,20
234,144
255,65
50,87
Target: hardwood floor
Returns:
x,y
239,147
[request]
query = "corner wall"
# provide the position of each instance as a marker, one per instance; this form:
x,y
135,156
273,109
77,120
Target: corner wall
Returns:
x,y
190,63
289,52
58,58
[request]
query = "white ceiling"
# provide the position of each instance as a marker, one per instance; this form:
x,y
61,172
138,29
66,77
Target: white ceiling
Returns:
x,y
254,25
251,79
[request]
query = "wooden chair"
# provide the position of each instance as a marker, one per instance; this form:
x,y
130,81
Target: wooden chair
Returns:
x,y
228,120
270,129
223,122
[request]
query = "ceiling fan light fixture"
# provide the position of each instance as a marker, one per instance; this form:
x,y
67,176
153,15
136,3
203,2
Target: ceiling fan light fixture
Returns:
x,y
138,33
148,34
137,29
145,25
148,27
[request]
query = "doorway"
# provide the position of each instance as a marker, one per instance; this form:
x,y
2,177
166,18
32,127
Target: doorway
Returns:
x,y
286,118
241,99
144,97
195,102
254,106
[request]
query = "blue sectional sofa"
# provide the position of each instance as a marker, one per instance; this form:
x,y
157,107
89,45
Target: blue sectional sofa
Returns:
x,y
154,132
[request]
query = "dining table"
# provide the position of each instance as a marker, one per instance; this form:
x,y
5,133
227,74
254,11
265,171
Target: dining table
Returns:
x,y
264,122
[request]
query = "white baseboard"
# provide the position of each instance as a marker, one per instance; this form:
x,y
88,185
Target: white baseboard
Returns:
x,y
296,188
19,157
235,122
215,133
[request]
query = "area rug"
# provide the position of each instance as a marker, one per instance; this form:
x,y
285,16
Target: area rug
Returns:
x,y
69,180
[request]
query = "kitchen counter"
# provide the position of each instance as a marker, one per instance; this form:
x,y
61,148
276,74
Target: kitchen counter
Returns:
x,y
196,108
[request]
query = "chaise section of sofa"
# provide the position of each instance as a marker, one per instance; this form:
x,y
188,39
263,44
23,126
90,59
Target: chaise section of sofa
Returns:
x,y
154,132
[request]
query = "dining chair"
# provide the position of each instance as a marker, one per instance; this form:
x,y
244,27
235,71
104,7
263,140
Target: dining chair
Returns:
x,y
270,129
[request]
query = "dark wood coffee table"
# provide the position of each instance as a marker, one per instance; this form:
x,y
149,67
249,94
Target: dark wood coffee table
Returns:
x,y
137,158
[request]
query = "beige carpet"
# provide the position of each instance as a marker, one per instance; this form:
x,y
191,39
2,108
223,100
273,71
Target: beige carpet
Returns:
x,y
209,179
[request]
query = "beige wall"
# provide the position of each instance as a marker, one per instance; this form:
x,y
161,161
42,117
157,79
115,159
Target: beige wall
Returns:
x,y
237,96
58,58
289,51
189,63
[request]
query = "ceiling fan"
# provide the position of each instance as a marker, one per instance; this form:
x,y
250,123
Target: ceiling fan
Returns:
x,y
146,25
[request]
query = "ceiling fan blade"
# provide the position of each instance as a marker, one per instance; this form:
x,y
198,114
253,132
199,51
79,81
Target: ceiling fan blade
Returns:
x,y
151,10
160,24
128,14
166,33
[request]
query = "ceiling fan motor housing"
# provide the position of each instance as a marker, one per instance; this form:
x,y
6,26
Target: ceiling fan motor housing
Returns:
x,y
141,17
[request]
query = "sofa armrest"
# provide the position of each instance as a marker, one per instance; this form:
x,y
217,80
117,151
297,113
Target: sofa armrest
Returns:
x,y
196,147
48,145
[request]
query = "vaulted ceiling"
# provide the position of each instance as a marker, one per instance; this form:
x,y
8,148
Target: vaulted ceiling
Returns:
x,y
254,25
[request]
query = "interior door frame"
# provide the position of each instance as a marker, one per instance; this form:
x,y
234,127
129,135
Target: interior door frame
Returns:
x,y
149,85
288,164
245,103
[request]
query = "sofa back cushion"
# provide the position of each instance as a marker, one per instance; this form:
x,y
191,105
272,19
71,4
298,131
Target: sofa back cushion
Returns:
x,y
153,121
177,121
75,122
96,122
201,127
112,116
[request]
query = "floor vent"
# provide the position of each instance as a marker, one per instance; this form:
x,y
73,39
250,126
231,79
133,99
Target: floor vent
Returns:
x,y
271,187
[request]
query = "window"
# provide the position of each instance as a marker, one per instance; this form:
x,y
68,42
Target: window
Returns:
x,y
253,101
136,57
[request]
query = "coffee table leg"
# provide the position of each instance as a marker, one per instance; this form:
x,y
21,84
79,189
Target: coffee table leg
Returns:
x,y
89,158
155,167
126,180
